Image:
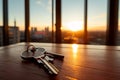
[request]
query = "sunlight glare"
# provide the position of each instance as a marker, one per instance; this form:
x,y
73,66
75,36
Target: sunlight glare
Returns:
x,y
75,50
75,26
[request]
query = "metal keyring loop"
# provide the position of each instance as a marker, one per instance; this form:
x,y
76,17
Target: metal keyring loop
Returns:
x,y
33,48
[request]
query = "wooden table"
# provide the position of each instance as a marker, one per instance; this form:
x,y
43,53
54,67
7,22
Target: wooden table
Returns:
x,y
81,62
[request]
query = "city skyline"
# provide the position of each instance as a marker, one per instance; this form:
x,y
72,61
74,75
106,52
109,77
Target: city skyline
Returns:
x,y
72,11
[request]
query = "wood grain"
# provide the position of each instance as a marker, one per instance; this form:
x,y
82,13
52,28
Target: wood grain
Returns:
x,y
81,62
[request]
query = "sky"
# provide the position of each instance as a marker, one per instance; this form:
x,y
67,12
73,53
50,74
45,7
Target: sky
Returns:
x,y
72,12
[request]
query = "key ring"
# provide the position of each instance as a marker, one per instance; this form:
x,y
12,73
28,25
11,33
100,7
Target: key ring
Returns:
x,y
31,48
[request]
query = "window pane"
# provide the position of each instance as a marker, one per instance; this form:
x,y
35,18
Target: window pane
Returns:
x,y
40,19
72,21
97,21
16,21
1,23
118,36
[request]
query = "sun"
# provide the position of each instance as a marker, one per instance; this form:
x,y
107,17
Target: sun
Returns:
x,y
75,26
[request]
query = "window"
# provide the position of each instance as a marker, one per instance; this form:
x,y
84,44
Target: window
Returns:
x,y
118,36
72,21
16,21
40,20
97,21
1,24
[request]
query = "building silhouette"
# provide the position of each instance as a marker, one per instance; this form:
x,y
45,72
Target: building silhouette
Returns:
x,y
14,34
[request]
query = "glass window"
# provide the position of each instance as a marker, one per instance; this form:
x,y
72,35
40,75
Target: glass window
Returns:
x,y
40,20
97,21
72,21
118,36
1,12
1,23
16,21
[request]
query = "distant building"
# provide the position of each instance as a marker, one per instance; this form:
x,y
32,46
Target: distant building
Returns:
x,y
40,36
47,32
118,38
33,30
14,35
1,36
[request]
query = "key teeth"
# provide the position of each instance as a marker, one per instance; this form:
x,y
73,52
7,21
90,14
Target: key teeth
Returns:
x,y
49,59
49,66
55,55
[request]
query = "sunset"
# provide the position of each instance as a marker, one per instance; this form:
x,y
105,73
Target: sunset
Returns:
x,y
75,26
72,19
72,16
59,39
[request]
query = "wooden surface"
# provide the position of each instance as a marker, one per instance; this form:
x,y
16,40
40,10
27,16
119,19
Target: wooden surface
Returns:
x,y
81,62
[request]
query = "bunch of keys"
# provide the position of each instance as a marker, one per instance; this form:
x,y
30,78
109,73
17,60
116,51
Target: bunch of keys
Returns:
x,y
42,57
